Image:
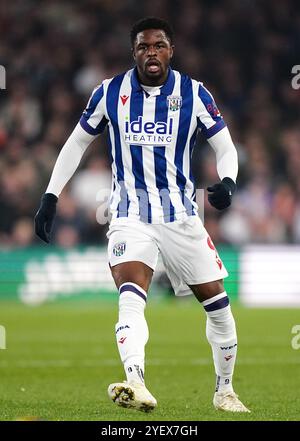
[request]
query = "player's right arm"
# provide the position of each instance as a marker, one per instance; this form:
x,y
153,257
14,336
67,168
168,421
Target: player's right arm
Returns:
x,y
91,124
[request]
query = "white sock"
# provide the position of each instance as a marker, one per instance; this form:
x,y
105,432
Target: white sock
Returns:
x,y
132,330
221,334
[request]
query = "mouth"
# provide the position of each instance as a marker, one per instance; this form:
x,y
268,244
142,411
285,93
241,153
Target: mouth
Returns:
x,y
153,66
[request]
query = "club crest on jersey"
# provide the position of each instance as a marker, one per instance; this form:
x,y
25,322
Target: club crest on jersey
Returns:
x,y
119,249
174,102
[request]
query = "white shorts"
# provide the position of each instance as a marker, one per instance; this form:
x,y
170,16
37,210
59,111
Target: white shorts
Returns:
x,y
187,251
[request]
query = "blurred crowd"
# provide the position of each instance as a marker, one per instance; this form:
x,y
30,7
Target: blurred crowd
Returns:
x,y
55,53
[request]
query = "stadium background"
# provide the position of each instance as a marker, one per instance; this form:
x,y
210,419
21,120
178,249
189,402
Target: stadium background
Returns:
x,y
54,54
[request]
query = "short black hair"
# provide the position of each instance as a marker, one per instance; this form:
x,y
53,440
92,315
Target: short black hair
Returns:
x,y
151,23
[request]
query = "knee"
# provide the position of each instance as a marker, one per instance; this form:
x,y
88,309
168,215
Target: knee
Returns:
x,y
130,273
205,291
121,278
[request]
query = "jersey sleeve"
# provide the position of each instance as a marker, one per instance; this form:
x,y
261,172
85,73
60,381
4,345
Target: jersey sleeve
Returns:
x,y
69,159
93,119
209,118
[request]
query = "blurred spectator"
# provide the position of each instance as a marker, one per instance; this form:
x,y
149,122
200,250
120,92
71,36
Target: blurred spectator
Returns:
x,y
67,236
90,74
22,113
69,218
22,234
87,183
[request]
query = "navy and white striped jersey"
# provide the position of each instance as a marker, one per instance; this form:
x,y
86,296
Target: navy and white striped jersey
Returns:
x,y
151,140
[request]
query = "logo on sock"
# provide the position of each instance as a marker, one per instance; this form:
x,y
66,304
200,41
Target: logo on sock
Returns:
x,y
218,383
228,357
122,339
122,327
139,372
228,347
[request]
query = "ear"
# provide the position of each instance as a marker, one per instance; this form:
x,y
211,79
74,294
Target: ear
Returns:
x,y
172,50
133,53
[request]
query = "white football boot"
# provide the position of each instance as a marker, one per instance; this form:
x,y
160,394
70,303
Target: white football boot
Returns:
x,y
132,395
229,402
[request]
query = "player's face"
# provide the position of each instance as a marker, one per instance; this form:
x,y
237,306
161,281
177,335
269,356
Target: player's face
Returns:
x,y
152,53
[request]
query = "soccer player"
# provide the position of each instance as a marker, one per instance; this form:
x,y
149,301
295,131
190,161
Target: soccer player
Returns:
x,y
153,114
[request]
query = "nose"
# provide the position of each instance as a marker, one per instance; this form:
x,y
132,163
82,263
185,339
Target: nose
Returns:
x,y
151,50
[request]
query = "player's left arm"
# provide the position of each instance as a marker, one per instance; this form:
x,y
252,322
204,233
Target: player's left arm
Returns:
x,y
220,194
211,122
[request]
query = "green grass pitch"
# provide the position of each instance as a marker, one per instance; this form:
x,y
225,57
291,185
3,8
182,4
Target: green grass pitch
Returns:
x,y
61,357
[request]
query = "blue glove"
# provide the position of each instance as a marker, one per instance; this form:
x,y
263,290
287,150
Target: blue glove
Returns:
x,y
221,194
44,218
